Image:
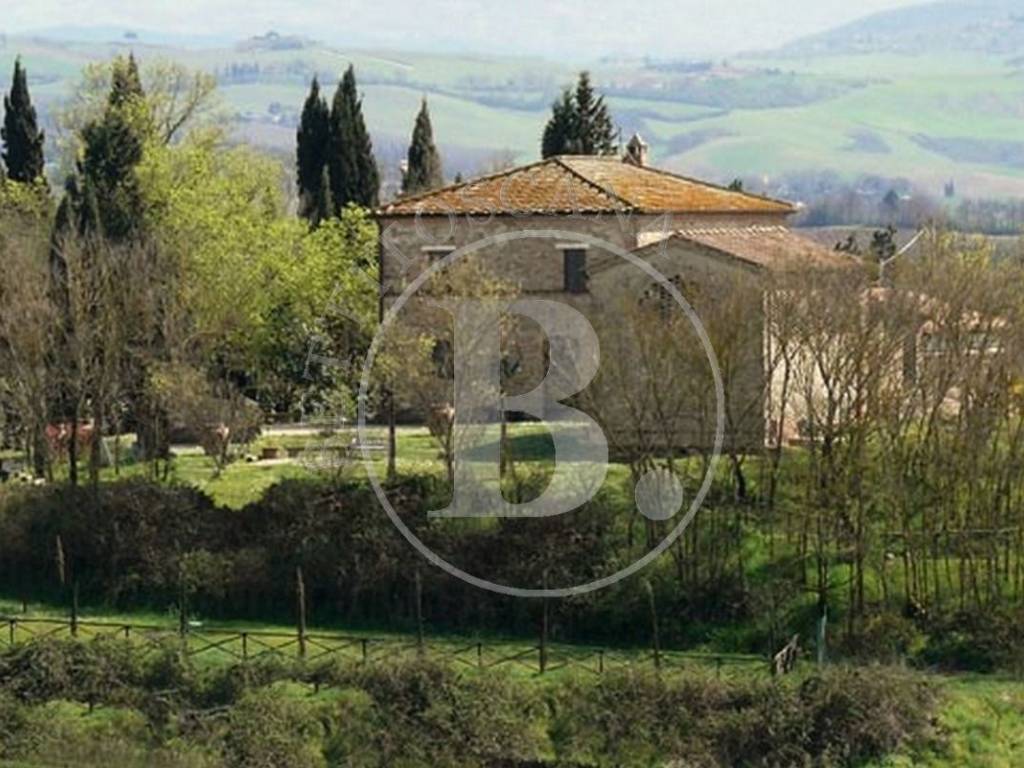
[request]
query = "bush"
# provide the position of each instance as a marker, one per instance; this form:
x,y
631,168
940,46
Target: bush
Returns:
x,y
861,714
421,713
266,729
15,735
101,671
840,718
976,641
884,637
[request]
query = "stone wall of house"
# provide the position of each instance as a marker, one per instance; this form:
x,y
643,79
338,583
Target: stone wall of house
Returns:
x,y
535,264
410,243
678,401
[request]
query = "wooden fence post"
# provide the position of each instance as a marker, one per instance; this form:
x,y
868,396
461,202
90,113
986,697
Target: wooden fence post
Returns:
x,y
245,646
419,610
182,605
822,635
300,597
480,655
13,624
543,649
654,624
74,608
365,650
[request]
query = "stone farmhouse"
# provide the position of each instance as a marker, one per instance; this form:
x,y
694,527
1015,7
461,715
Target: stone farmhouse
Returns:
x,y
692,232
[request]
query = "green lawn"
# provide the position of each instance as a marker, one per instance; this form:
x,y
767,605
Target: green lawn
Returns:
x,y
247,477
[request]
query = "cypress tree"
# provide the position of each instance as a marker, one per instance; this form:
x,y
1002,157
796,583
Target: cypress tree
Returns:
x,y
560,132
23,141
323,206
423,171
125,84
580,123
311,153
113,146
351,167
366,163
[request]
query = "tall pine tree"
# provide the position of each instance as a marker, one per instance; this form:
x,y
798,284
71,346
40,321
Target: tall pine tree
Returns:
x,y
594,130
560,132
423,169
580,124
23,141
311,154
351,167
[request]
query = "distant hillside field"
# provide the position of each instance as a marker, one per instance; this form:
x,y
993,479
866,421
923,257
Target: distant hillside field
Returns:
x,y
931,94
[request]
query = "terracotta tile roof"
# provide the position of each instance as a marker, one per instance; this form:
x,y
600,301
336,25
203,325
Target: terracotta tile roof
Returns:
x,y
769,247
584,184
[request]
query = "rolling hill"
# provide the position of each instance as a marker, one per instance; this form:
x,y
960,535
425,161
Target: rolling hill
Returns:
x,y
929,94
991,27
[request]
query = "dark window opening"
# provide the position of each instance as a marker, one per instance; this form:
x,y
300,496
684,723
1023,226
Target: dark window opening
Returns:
x,y
575,270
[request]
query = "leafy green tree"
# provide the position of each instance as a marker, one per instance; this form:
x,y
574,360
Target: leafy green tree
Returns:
x,y
311,155
352,168
423,171
23,141
580,123
275,308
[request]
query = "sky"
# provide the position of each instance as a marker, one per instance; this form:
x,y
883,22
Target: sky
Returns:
x,y
551,28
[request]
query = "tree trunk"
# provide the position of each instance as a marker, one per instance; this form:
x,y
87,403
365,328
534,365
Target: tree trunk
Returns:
x,y
392,472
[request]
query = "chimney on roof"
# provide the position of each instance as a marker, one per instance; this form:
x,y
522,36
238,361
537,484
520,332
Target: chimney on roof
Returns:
x,y
636,151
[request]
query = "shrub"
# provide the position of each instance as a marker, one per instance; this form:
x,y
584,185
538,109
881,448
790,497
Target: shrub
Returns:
x,y
421,713
266,729
861,714
884,637
840,718
976,641
101,671
15,735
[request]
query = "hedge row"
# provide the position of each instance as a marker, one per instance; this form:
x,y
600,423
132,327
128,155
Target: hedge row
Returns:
x,y
417,713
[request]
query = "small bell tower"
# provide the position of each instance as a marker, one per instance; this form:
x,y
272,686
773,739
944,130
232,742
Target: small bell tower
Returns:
x,y
636,151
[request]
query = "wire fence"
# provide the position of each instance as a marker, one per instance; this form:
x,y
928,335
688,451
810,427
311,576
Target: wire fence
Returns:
x,y
223,645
